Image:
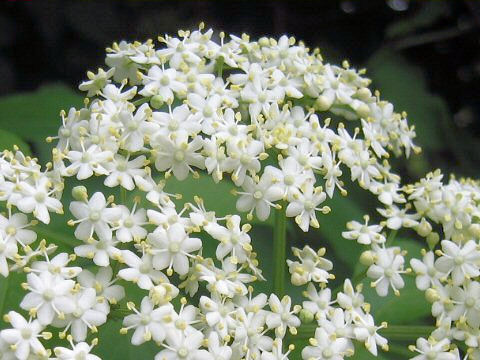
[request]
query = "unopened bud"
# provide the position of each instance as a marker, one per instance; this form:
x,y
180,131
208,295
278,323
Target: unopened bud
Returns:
x,y
432,239
367,258
306,316
156,102
80,193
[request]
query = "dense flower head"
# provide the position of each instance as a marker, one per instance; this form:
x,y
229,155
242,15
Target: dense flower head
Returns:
x,y
286,128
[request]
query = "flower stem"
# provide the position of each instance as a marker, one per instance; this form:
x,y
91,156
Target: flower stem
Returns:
x,y
279,252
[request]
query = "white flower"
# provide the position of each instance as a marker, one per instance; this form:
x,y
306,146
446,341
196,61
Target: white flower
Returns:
x,y
8,251
57,266
123,171
180,119
84,315
172,248
366,331
320,303
427,273
282,317
37,199
100,251
250,338
219,314
140,270
184,347
312,266
461,262
217,348
87,162
326,348
96,82
104,286
387,270
431,349
23,336
78,351
304,205
135,128
94,216
228,280
233,240
176,154
15,228
132,224
162,82
364,233
259,196
49,296
149,323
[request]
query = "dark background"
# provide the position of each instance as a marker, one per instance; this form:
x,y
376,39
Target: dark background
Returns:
x,y
59,40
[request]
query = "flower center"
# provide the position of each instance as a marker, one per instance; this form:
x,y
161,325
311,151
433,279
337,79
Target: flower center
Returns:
x,y
165,80
459,260
82,355
132,126
327,353
65,132
48,295
182,352
470,302
122,166
145,320
26,333
289,180
389,273
128,222
179,155
207,111
257,195
174,247
309,206
40,197
94,216
11,230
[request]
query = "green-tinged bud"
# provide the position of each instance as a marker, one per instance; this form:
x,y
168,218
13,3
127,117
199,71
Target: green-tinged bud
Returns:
x,y
424,228
367,258
432,239
306,316
363,111
322,103
156,102
80,193
431,295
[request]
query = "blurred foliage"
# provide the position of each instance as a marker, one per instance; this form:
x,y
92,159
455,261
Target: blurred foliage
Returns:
x,y
417,73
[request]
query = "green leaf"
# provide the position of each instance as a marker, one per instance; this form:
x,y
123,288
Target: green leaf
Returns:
x,y
405,86
34,116
8,140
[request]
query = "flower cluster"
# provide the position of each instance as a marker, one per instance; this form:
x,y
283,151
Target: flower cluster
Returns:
x,y
284,126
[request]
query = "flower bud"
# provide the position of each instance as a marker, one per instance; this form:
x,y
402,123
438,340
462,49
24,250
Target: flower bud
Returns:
x,y
431,295
424,228
367,258
156,102
432,239
306,316
80,193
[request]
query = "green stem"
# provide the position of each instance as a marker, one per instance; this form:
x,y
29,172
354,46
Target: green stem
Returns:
x,y
219,66
279,252
141,101
391,237
4,293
